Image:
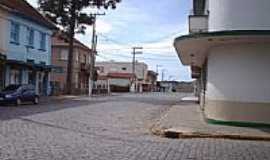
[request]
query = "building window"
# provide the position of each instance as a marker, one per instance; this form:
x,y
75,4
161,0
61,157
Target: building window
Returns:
x,y
58,70
15,33
63,55
30,37
14,76
77,56
42,41
85,59
124,68
32,76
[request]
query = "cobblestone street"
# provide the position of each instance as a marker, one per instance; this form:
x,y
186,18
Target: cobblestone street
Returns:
x,y
108,128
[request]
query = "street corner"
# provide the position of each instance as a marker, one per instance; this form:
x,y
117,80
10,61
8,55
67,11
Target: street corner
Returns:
x,y
157,130
186,120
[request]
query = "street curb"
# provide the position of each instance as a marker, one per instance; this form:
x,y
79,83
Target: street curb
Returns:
x,y
158,130
167,133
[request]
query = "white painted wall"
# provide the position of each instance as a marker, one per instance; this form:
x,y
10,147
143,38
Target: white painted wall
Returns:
x,y
120,82
198,24
117,67
239,15
239,73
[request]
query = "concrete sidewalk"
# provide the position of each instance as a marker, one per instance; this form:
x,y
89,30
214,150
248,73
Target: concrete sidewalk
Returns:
x,y
186,120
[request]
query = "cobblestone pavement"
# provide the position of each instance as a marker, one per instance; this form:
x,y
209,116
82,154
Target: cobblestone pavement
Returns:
x,y
109,128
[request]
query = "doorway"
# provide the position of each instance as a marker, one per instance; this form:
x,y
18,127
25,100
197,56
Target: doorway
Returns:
x,y
2,73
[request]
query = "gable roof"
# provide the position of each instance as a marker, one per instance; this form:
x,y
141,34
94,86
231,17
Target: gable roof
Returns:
x,y
23,9
61,39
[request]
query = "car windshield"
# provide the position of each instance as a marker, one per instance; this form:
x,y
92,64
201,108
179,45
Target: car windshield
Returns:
x,y
11,88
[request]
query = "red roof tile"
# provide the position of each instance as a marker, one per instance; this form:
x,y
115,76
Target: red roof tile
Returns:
x,y
24,9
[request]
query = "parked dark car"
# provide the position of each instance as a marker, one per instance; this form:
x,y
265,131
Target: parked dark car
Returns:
x,y
18,94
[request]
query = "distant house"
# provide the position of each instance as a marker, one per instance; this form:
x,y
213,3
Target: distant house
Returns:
x,y
123,72
26,44
228,49
151,82
176,86
120,82
80,68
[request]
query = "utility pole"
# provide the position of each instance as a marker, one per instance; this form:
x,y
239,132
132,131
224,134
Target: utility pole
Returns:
x,y
157,68
134,53
94,52
163,74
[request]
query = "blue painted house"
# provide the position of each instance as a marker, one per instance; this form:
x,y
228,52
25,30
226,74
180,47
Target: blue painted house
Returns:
x,y
28,46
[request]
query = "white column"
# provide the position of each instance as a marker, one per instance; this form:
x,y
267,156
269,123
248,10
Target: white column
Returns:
x,y
90,86
7,76
141,87
108,86
37,82
48,83
25,76
132,87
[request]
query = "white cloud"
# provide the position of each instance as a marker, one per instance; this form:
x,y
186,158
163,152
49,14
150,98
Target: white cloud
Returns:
x,y
162,46
34,3
103,27
122,26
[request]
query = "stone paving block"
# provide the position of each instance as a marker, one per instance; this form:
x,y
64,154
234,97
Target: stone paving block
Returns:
x,y
111,128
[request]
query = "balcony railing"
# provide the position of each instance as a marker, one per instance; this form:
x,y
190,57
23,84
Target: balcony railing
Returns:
x,y
198,23
85,67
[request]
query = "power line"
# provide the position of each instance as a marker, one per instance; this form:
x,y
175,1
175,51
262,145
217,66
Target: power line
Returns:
x,y
161,55
103,57
142,58
152,54
113,40
94,51
147,48
150,41
164,37
124,55
118,55
134,53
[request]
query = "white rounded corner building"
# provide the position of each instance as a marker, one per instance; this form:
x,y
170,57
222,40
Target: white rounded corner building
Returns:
x,y
228,49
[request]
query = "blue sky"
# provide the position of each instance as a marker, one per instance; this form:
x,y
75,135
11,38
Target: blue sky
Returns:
x,y
152,24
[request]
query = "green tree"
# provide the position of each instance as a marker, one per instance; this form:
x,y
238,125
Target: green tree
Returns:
x,y
71,17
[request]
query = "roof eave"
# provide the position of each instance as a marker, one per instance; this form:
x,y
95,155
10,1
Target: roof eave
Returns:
x,y
199,43
179,53
48,25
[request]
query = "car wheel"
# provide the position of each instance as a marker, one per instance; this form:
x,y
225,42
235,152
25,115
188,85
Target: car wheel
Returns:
x,y
18,102
36,100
